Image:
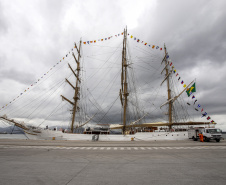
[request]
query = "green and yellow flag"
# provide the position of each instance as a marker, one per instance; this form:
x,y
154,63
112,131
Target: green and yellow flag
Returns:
x,y
191,90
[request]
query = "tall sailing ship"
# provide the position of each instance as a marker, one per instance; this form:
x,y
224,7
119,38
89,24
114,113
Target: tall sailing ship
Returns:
x,y
133,124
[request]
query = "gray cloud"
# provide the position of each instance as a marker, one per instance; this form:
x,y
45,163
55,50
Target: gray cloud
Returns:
x,y
22,77
36,35
3,23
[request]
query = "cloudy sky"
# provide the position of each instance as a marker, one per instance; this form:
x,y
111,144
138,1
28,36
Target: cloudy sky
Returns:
x,y
34,35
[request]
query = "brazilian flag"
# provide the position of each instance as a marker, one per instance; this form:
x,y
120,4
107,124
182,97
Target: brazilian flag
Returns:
x,y
191,90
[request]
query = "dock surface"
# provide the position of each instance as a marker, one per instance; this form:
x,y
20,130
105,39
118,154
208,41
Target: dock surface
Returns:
x,y
110,163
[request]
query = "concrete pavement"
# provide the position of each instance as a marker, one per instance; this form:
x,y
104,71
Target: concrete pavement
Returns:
x,y
108,143
100,163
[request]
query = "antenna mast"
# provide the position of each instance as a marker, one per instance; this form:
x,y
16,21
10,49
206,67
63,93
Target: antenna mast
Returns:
x,y
77,86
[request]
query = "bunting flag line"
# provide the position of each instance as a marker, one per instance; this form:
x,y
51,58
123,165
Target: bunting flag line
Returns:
x,y
85,43
39,79
189,91
117,35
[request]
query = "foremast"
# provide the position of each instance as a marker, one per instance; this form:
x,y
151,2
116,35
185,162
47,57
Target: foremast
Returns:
x,y
76,87
124,91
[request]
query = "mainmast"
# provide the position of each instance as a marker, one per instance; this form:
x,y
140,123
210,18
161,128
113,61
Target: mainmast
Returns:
x,y
77,86
169,90
123,90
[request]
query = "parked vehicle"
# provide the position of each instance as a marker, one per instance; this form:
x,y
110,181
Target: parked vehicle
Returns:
x,y
208,134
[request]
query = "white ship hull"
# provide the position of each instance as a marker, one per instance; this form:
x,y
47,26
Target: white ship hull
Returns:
x,y
140,136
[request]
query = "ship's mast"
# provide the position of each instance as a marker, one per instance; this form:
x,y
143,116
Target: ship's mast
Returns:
x,y
124,81
171,99
77,86
168,89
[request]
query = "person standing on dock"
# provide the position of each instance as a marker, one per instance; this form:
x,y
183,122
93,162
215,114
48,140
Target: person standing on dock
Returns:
x,y
201,137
